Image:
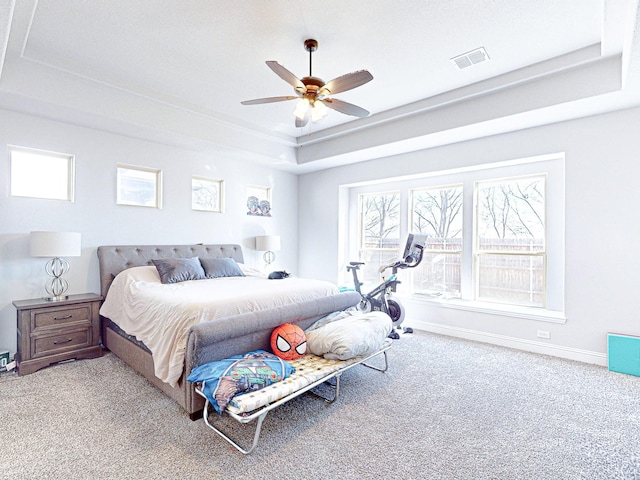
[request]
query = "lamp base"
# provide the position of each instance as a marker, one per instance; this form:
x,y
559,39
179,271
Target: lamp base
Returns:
x,y
269,257
57,298
57,285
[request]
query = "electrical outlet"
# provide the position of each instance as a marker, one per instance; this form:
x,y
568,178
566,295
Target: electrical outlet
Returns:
x,y
544,334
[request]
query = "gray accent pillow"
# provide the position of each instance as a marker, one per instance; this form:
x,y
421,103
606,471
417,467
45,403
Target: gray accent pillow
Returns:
x,y
221,267
174,270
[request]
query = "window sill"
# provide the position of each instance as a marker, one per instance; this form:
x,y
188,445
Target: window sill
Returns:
x,y
529,313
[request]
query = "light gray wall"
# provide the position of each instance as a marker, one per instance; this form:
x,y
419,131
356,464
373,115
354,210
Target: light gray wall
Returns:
x,y
602,204
602,200
101,222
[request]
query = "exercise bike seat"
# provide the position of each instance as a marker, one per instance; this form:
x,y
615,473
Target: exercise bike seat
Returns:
x,y
356,263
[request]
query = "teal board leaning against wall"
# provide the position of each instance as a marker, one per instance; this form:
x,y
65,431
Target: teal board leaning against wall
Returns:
x,y
624,353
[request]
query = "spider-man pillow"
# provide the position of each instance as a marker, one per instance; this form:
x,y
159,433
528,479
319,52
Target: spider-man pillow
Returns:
x,y
223,379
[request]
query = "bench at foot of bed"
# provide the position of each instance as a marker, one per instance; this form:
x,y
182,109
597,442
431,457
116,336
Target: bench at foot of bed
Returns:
x,y
310,372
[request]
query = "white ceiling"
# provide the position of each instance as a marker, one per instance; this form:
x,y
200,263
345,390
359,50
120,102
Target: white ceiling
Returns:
x,y
176,71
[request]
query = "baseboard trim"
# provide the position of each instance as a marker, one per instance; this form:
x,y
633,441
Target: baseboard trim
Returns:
x,y
570,353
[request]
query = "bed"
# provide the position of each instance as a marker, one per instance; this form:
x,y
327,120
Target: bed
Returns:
x,y
230,330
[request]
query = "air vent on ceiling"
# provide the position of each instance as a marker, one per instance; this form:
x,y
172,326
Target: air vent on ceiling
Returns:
x,y
470,58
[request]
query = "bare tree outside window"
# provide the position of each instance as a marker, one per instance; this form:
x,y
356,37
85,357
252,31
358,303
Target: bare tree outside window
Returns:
x,y
512,210
380,220
510,255
379,232
438,213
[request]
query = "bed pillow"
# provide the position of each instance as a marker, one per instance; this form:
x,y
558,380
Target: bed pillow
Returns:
x,y
221,267
223,379
348,334
174,270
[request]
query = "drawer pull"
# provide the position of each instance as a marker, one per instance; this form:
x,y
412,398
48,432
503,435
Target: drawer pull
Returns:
x,y
60,342
63,318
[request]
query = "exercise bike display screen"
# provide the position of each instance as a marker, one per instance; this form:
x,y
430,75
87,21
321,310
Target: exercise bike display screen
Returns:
x,y
413,248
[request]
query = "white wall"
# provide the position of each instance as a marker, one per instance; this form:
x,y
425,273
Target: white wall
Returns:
x,y
602,203
101,222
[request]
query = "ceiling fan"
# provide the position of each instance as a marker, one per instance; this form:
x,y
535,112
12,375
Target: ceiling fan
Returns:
x,y
313,94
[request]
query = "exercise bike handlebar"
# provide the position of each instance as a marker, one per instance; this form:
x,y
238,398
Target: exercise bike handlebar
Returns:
x,y
401,264
411,258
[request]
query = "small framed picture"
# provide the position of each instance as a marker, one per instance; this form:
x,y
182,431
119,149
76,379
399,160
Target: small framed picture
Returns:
x,y
258,201
139,186
207,194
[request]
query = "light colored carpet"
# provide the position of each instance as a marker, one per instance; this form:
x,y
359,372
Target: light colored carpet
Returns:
x,y
445,409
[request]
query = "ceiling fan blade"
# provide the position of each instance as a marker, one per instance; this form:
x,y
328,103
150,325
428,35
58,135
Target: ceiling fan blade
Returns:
x,y
258,101
286,75
346,82
345,107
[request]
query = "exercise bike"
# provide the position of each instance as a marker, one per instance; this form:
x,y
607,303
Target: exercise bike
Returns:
x,y
381,298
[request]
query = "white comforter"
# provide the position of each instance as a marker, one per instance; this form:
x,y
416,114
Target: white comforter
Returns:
x,y
160,315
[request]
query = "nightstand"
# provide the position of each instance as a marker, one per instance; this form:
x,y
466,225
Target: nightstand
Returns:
x,y
50,332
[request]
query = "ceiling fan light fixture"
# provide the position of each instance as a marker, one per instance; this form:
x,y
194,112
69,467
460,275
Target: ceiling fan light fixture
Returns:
x,y
302,105
319,111
312,93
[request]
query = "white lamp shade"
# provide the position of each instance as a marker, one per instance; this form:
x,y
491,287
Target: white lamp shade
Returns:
x,y
55,244
266,243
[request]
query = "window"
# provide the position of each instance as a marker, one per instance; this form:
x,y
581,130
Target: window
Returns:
x,y
41,174
495,235
510,241
437,212
140,186
379,232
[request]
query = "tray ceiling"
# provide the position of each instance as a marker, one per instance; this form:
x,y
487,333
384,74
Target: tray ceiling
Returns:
x,y
179,70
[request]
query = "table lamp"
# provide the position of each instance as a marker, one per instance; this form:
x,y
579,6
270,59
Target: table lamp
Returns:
x,y
55,245
268,244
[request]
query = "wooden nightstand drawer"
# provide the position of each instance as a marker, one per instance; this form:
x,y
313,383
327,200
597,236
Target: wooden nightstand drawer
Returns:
x,y
61,342
60,317
56,331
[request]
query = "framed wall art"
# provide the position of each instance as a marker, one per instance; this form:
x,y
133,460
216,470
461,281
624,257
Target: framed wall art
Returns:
x,y
207,194
258,201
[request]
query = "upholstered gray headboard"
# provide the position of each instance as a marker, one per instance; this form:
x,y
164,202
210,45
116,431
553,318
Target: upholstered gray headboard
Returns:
x,y
116,258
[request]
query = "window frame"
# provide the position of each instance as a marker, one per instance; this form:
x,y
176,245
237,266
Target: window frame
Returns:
x,y
70,172
411,221
369,274
157,180
551,164
479,252
361,239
